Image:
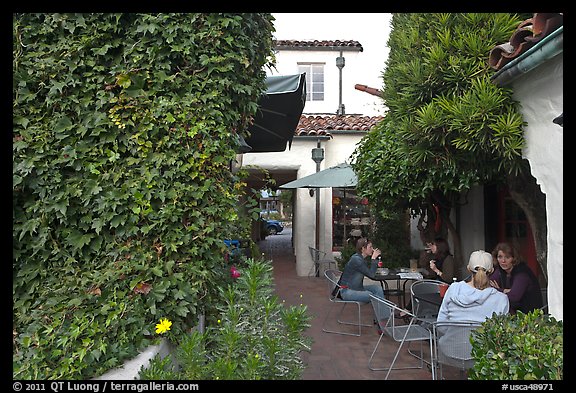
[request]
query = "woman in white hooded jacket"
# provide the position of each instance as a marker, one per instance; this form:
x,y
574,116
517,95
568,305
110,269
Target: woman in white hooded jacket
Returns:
x,y
475,300
472,301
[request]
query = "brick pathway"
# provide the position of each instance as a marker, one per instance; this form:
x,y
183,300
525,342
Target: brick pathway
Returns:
x,y
333,356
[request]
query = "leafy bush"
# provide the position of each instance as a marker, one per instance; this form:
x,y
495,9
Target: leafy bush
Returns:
x,y
254,337
392,236
122,142
345,254
518,347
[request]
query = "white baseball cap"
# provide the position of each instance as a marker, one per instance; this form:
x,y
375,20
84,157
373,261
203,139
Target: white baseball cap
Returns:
x,y
479,259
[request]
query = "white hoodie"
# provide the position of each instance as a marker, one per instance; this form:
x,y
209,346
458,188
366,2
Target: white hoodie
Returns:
x,y
465,303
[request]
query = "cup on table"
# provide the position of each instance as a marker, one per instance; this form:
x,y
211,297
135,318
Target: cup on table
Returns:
x,y
443,288
413,265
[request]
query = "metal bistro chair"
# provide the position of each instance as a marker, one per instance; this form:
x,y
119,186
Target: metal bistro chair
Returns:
x,y
332,277
452,345
393,327
424,310
320,258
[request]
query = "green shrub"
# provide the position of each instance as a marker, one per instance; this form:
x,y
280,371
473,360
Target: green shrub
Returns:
x,y
123,134
254,336
392,237
518,347
347,251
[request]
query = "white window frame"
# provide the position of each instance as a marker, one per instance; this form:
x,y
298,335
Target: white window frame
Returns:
x,y
314,80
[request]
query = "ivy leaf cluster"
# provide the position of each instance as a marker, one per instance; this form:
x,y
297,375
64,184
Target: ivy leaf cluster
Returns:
x,y
123,135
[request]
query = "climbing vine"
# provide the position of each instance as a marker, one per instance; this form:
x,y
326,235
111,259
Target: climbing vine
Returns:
x,y
122,193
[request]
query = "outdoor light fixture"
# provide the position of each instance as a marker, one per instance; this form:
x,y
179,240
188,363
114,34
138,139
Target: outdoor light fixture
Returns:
x,y
317,154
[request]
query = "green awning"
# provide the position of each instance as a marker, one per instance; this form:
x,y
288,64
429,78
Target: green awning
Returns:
x,y
278,114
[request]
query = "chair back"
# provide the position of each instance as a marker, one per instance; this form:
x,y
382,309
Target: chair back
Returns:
x,y
332,278
316,254
384,312
399,331
386,315
422,309
453,345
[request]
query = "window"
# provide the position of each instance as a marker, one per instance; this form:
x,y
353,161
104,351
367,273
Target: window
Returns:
x,y
314,80
350,215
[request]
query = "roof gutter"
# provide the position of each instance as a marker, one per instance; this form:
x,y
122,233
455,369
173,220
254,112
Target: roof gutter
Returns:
x,y
320,48
314,137
544,50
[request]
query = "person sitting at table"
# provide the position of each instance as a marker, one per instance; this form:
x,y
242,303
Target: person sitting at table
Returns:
x,y
474,300
469,301
514,278
352,279
439,260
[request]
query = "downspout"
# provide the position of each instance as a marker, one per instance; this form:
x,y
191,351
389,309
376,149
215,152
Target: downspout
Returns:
x,y
546,49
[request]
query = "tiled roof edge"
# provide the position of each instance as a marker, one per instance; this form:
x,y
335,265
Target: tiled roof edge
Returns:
x,y
345,45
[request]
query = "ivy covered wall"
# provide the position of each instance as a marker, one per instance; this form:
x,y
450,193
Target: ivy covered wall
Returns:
x,y
122,139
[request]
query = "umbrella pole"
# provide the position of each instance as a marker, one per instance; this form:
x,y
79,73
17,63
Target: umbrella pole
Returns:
x,y
344,230
317,157
317,234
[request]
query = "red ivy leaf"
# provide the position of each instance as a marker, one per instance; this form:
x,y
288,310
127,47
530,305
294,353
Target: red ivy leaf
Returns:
x,y
143,288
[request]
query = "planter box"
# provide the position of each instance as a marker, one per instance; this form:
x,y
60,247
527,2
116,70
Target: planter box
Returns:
x,y
130,369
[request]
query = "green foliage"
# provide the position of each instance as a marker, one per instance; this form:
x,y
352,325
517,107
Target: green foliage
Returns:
x,y
254,337
345,254
518,347
392,236
121,148
448,126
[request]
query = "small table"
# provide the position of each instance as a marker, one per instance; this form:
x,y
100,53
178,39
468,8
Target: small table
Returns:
x,y
393,275
432,298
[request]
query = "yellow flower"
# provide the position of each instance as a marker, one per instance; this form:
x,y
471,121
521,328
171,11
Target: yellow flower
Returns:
x,y
163,326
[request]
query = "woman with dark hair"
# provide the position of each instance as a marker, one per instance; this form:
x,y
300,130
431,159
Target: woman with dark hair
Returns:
x,y
514,278
441,260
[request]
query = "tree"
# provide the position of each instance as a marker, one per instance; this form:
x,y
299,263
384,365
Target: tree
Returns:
x,y
448,127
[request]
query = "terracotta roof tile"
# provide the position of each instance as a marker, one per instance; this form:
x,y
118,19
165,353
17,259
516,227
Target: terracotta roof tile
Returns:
x,y
528,33
319,44
322,124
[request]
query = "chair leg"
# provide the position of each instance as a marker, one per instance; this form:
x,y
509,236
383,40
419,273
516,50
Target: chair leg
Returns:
x,y
391,367
359,323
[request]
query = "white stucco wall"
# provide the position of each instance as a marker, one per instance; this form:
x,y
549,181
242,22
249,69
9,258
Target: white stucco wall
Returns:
x,y
299,158
470,227
355,101
371,30
541,95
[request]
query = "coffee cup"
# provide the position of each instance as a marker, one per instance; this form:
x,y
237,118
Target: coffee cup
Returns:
x,y
443,288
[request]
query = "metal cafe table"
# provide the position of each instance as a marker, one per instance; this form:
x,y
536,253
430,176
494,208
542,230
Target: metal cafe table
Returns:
x,y
432,298
398,276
